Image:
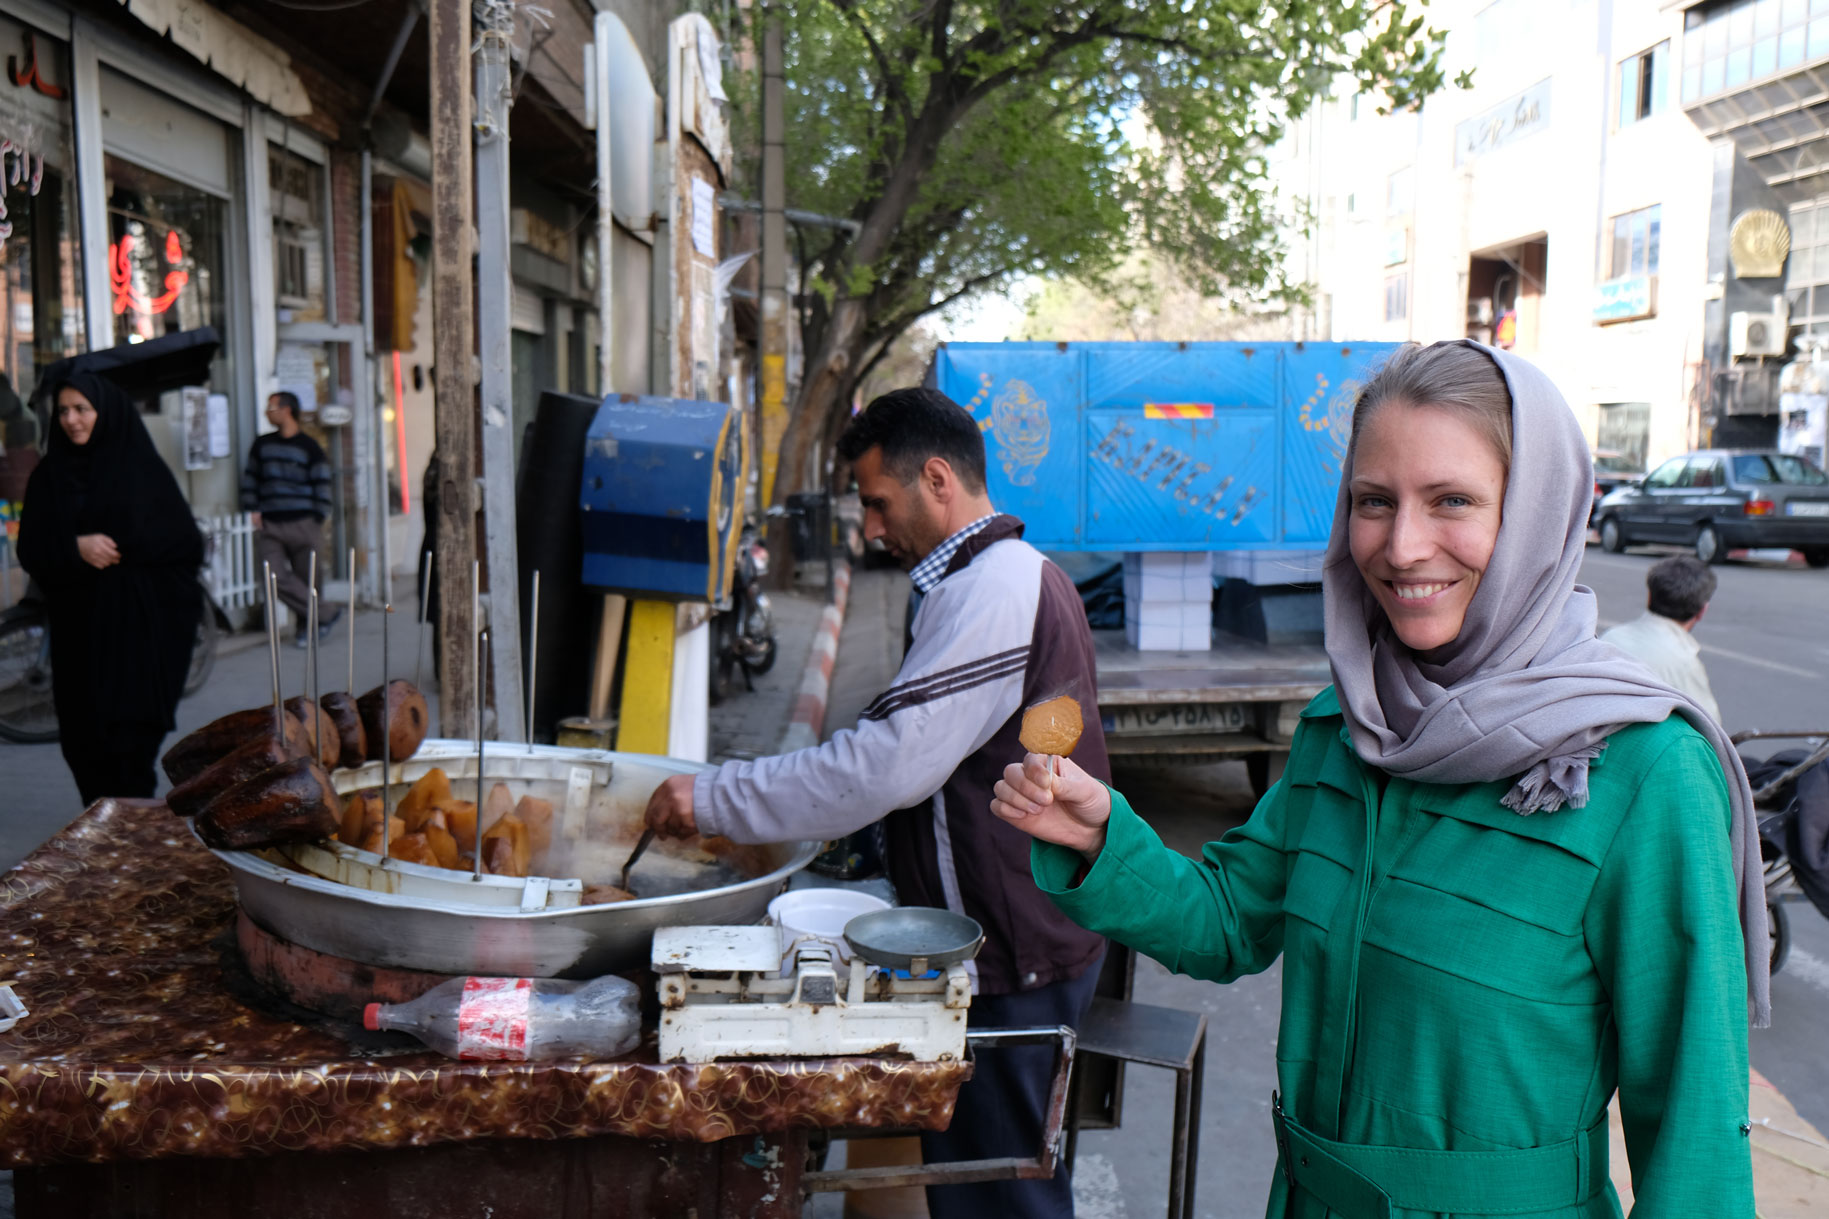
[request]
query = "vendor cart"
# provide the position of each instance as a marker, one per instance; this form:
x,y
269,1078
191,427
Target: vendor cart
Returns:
x,y
151,1075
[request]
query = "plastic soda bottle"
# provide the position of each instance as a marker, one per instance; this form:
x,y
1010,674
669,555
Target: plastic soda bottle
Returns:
x,y
519,1019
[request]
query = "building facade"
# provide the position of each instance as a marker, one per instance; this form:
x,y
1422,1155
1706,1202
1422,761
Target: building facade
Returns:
x,y
265,170
1564,207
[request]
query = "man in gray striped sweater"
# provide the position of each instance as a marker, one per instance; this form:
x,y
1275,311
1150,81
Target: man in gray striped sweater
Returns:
x,y
286,485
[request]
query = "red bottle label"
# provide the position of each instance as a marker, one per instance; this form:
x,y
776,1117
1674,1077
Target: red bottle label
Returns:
x,y
492,1018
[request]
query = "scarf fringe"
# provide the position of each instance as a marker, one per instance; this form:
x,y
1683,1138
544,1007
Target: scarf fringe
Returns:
x,y
1552,783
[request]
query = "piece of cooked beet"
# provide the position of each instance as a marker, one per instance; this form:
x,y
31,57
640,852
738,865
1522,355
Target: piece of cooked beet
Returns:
x,y
407,720
221,737
320,729
254,756
352,738
291,802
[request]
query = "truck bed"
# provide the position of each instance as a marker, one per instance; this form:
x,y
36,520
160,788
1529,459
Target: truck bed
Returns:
x,y
1233,670
1239,698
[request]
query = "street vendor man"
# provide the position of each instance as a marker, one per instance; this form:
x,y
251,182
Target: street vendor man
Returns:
x,y
998,629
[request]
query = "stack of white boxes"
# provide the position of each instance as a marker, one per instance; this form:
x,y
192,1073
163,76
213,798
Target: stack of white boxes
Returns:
x,y
1168,601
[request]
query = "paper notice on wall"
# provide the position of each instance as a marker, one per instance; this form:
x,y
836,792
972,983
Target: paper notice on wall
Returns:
x,y
711,67
704,218
295,368
221,444
194,424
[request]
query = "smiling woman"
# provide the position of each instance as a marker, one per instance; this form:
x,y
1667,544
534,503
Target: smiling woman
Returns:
x,y
1506,870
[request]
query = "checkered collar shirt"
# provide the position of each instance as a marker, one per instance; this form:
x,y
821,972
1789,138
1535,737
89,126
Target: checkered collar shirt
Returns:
x,y
929,571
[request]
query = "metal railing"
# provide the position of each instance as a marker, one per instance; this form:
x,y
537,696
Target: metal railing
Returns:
x,y
229,571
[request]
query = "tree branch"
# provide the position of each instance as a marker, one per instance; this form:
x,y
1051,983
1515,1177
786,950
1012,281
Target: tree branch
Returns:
x,y
891,83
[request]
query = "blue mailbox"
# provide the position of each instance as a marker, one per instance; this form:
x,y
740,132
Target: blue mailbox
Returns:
x,y
659,498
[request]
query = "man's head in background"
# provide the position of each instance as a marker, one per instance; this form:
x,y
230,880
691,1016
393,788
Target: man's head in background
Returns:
x,y
919,462
1680,588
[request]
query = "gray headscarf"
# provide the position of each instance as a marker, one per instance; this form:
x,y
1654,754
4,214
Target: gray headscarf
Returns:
x,y
1525,688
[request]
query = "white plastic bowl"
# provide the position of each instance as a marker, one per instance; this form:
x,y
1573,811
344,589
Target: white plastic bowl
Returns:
x,y
821,914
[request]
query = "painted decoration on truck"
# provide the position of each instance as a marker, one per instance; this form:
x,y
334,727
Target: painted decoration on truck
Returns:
x,y
1019,421
1162,446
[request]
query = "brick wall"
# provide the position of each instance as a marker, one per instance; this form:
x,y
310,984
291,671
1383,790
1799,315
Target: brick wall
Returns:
x,y
346,204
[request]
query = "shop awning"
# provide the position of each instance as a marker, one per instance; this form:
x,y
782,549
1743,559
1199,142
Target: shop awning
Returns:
x,y
232,50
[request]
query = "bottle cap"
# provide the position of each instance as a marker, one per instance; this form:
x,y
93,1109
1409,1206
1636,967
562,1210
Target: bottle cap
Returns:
x,y
371,1016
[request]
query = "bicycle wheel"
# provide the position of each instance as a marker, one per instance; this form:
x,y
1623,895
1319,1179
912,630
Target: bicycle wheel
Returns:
x,y
27,714
203,652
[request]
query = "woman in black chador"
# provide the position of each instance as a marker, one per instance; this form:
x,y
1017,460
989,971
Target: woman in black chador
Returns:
x,y
108,536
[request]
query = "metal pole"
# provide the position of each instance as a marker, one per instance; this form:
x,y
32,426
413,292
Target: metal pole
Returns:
x,y
494,298
449,39
533,656
365,382
606,209
773,420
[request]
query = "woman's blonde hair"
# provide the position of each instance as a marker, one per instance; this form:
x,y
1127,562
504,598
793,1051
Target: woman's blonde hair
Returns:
x,y
1450,376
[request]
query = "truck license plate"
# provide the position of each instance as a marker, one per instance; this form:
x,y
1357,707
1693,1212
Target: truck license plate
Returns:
x,y
1176,717
1809,507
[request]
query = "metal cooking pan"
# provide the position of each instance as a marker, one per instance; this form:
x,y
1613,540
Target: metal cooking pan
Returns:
x,y
410,924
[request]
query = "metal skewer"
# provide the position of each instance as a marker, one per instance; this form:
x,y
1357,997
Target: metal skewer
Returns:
x,y
387,730
533,656
351,687
425,595
476,861
279,708
311,640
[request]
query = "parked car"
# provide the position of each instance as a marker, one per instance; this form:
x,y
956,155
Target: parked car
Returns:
x,y
1719,500
1612,470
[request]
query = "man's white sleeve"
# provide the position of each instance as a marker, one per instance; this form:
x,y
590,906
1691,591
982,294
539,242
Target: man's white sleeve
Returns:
x,y
961,681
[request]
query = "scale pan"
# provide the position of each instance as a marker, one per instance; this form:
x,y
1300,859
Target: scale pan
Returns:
x,y
896,938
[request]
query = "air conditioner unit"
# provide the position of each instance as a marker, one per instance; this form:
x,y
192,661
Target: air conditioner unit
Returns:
x,y
1756,334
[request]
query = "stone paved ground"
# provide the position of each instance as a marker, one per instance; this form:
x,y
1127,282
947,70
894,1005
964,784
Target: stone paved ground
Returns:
x,y
749,723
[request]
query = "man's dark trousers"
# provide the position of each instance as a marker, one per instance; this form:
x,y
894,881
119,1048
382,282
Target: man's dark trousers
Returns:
x,y
1002,1108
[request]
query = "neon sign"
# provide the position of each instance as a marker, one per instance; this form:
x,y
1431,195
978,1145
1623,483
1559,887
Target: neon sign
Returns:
x,y
120,276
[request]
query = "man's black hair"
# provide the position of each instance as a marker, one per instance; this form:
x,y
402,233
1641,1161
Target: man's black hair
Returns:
x,y
290,401
1680,587
912,425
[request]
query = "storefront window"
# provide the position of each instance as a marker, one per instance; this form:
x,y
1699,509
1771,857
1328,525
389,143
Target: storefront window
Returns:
x,y
41,316
165,253
296,188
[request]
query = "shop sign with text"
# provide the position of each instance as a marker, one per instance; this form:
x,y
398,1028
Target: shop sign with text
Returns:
x,y
1625,299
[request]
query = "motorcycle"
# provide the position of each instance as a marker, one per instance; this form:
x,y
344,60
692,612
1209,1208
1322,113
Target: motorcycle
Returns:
x,y
743,633
1788,799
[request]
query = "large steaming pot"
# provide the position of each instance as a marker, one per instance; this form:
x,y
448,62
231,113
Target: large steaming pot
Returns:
x,y
403,916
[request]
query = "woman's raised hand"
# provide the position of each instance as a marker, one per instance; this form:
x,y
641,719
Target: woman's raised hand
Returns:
x,y
1070,808
98,550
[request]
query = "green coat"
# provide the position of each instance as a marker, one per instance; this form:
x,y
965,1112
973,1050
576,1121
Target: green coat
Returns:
x,y
1478,981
